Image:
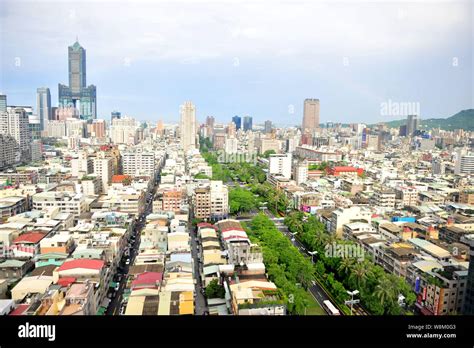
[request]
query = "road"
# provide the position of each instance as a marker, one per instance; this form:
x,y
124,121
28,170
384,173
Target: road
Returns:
x,y
123,268
316,290
200,306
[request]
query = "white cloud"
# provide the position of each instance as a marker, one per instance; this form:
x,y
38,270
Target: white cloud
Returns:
x,y
191,31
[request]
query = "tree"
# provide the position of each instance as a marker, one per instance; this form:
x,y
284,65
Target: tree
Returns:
x,y
267,153
345,266
215,290
359,274
241,200
384,291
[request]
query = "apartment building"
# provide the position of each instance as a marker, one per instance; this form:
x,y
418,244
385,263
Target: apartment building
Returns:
x,y
342,216
67,202
211,201
137,163
280,164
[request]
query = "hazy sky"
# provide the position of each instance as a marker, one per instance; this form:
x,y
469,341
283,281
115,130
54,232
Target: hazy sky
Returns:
x,y
260,58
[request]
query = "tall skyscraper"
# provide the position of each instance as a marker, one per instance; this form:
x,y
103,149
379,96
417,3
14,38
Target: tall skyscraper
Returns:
x,y
310,116
43,106
238,122
15,123
3,103
78,91
188,126
268,126
210,121
412,124
247,123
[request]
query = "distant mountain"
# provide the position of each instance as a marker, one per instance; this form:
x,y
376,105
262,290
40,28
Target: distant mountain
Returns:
x,y
462,120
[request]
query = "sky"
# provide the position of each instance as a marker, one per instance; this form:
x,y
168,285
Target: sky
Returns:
x,y
258,58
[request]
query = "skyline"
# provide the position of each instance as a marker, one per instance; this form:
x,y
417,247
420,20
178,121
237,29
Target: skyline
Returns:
x,y
148,69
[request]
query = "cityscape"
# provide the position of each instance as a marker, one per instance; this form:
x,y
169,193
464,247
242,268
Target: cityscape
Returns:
x,y
106,214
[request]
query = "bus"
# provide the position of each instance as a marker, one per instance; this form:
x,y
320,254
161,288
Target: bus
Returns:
x,y
330,308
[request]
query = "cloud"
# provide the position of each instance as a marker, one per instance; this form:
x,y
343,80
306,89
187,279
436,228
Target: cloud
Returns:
x,y
196,30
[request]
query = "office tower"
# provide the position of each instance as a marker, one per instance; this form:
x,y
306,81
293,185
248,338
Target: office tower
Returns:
x,y
54,112
34,124
3,103
115,115
238,122
188,126
78,91
268,127
210,121
310,116
468,308
412,124
247,123
15,123
43,106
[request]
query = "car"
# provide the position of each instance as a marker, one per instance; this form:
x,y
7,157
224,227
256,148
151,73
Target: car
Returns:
x,y
127,262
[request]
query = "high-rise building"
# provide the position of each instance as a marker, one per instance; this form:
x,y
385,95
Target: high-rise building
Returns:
x,y
78,91
123,130
3,103
43,106
96,129
188,126
15,123
210,121
310,116
238,122
231,129
464,164
247,123
412,124
268,126
54,111
8,148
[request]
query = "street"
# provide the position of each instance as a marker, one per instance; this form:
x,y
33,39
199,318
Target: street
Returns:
x,y
200,306
123,268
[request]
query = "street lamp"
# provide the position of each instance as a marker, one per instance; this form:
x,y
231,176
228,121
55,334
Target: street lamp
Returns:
x,y
312,253
293,236
352,302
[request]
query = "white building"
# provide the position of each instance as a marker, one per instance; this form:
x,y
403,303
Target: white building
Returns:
x,y
15,123
280,164
104,169
138,162
188,126
231,145
300,173
343,216
74,203
124,131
